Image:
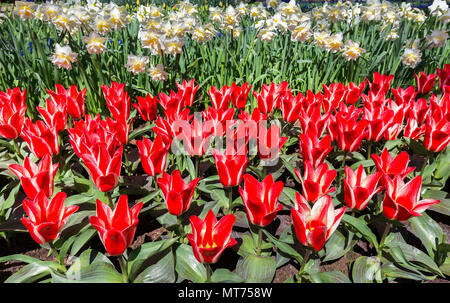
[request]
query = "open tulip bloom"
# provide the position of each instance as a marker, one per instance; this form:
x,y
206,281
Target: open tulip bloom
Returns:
x,y
314,227
209,237
177,193
261,199
360,188
117,227
46,217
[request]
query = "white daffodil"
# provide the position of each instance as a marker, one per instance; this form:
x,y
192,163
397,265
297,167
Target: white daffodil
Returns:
x,y
157,73
94,43
334,42
302,33
25,10
351,50
137,64
437,38
411,57
63,56
438,7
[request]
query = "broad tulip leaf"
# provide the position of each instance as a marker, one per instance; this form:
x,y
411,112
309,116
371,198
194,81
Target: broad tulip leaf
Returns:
x,y
160,272
30,260
413,256
187,266
329,277
391,272
138,256
428,231
366,270
248,246
257,269
336,246
29,273
445,267
80,199
96,272
284,247
81,240
361,227
223,275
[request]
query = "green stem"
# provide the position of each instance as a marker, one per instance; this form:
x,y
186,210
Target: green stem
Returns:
x,y
110,201
230,200
369,149
383,238
425,163
56,254
123,269
260,237
16,149
341,171
197,163
305,260
208,273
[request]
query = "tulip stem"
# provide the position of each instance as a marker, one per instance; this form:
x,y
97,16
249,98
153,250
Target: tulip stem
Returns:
x,y
208,272
56,254
123,268
342,168
260,237
369,149
383,239
197,163
16,149
110,201
230,200
305,260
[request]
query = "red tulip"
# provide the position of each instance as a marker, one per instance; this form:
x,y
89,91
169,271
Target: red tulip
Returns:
x,y
313,227
261,199
380,84
396,125
219,120
424,82
188,92
313,149
313,119
146,107
437,135
41,139
379,120
220,98
103,167
231,165
153,155
404,96
239,94
72,98
444,77
354,92
412,129
116,228
120,128
117,100
316,182
172,104
269,97
55,113
177,193
196,137
12,113
85,134
392,167
360,188
333,96
401,200
46,217
35,179
209,237
291,107
348,132
270,142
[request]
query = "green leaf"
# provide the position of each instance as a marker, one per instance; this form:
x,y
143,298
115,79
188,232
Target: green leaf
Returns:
x,y
97,272
31,260
187,265
144,252
366,270
428,231
248,246
361,227
390,272
284,247
336,246
29,273
81,240
256,269
223,275
329,277
160,272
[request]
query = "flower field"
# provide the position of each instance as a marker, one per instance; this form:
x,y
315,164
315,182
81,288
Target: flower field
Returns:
x,y
240,142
